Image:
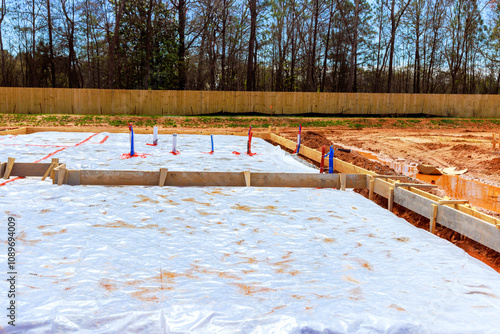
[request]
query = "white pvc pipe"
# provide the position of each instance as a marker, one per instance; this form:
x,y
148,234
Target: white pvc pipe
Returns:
x,y
155,135
174,143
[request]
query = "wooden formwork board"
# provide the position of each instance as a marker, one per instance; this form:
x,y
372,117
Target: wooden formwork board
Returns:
x,y
211,179
28,169
18,131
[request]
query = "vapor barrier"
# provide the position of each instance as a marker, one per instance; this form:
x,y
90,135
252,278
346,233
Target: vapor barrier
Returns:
x,y
226,260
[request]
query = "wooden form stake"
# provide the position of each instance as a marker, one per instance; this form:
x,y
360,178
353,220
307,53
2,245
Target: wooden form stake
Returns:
x,y
432,225
8,169
495,140
54,164
163,176
371,185
343,181
390,197
247,178
61,173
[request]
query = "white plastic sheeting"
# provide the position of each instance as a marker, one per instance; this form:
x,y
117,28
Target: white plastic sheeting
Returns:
x,y
228,260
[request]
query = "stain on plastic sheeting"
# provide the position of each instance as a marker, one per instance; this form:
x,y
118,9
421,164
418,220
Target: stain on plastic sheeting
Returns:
x,y
54,233
250,260
329,240
298,297
356,294
402,239
107,285
396,307
242,207
315,219
481,293
21,237
195,201
204,213
216,192
364,264
146,199
351,279
122,224
206,271
41,227
276,308
45,211
143,293
31,287
9,213
249,290
248,271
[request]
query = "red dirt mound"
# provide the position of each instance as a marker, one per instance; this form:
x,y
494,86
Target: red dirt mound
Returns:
x,y
493,165
314,140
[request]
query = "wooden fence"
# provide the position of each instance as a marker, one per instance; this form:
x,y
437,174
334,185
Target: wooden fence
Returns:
x,y
184,103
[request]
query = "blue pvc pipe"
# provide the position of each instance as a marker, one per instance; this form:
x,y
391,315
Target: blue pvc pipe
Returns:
x,y
330,160
298,144
132,142
212,140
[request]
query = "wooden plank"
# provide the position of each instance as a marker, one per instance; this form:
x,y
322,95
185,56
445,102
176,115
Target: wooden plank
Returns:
x,y
452,202
2,168
414,185
473,228
30,169
221,179
9,167
73,177
413,202
18,131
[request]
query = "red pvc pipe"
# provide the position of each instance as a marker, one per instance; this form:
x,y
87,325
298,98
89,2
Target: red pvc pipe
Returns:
x,y
322,165
249,148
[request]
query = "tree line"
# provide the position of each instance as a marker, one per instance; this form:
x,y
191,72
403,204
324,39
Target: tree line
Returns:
x,y
395,46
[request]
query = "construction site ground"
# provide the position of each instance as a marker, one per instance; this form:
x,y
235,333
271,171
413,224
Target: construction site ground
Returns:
x,y
383,145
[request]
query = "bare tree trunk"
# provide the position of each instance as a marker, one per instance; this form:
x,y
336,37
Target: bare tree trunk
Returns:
x,y
395,20
223,55
145,79
327,45
251,46
312,59
2,16
113,43
34,81
181,51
